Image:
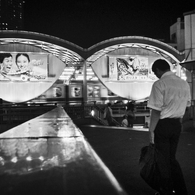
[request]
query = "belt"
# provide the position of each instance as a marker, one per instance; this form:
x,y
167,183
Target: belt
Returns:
x,y
173,119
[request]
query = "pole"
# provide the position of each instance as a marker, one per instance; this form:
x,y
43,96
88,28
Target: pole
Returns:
x,y
85,83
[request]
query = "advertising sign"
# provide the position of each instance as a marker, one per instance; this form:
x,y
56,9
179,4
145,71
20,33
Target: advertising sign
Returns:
x,y
129,68
55,92
27,75
23,67
113,70
75,91
93,91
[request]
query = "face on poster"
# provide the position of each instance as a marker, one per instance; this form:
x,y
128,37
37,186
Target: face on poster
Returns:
x,y
128,68
96,91
23,67
89,91
76,91
55,92
93,91
26,75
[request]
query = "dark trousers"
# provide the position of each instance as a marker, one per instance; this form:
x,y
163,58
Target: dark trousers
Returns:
x,y
110,121
166,138
130,121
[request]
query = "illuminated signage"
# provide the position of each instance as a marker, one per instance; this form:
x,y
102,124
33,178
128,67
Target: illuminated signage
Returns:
x,y
75,91
57,91
130,68
23,67
93,91
27,75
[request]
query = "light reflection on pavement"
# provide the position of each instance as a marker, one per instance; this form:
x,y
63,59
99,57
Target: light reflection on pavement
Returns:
x,y
50,155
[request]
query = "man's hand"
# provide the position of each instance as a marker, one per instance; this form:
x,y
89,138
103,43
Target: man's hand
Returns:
x,y
151,137
155,116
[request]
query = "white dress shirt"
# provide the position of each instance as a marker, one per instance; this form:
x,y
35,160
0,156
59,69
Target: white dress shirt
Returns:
x,y
170,95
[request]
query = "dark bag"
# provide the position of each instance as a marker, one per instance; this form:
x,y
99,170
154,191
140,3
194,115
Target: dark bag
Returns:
x,y
152,167
105,113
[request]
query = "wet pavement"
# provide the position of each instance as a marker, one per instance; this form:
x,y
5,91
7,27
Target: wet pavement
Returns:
x,y
119,148
49,155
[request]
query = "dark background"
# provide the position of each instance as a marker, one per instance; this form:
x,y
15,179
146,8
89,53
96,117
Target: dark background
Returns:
x,y
87,22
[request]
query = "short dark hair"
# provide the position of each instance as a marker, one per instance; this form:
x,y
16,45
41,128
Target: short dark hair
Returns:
x,y
108,104
22,54
4,55
161,65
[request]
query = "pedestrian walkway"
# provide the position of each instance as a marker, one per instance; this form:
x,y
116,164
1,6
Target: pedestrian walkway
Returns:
x,y
119,148
54,142
50,155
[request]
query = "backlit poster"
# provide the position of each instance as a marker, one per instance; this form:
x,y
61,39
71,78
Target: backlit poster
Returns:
x,y
96,91
75,91
27,75
89,91
23,67
113,72
93,91
56,91
132,68
129,68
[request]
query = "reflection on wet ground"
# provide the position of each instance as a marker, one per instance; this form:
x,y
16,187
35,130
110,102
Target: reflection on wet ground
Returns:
x,y
50,155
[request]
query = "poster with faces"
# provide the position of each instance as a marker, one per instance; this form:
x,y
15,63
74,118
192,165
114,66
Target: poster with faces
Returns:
x,y
75,91
56,91
93,91
23,66
27,75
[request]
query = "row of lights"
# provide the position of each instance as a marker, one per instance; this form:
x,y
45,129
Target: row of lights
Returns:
x,y
71,73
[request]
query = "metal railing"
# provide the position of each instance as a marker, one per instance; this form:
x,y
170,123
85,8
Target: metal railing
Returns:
x,y
19,113
98,115
22,112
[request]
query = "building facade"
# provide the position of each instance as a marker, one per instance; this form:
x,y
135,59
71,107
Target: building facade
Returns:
x,y
177,35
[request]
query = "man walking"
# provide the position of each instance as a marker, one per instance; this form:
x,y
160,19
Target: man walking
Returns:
x,y
109,115
168,100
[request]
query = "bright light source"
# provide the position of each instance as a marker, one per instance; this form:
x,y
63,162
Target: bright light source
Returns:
x,y
28,158
41,158
125,101
92,113
14,159
106,101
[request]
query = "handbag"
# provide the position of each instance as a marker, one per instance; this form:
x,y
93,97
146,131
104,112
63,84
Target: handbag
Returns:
x,y
105,113
152,166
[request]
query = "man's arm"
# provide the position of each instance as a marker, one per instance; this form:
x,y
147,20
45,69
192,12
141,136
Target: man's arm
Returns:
x,y
111,112
155,116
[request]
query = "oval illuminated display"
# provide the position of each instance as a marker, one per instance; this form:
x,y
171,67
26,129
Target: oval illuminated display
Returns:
x,y
26,75
128,76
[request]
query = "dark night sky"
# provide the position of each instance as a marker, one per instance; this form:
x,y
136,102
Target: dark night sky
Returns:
x,y
87,22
